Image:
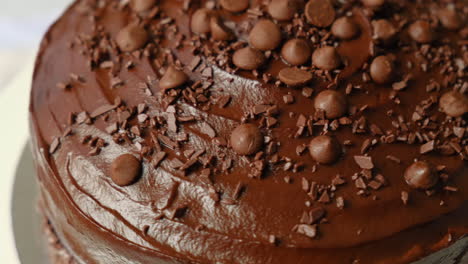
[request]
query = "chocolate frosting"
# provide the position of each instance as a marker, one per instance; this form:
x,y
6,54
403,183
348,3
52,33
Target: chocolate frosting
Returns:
x,y
171,215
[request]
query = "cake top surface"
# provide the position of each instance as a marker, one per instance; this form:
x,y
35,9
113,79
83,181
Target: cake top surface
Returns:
x,y
298,124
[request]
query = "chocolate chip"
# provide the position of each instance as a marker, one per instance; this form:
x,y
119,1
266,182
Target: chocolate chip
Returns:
x,y
381,69
421,31
449,18
200,22
373,3
421,175
131,38
125,170
219,31
246,139
235,5
265,35
332,103
172,78
248,58
345,28
320,13
142,5
384,30
296,52
326,58
294,76
283,10
454,104
325,149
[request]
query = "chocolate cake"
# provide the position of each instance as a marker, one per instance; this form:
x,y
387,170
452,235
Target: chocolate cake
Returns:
x,y
248,132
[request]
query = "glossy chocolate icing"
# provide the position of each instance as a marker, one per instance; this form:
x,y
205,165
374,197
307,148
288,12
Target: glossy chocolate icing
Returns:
x,y
100,222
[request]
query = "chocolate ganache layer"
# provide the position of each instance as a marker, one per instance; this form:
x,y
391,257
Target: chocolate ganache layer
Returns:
x,y
282,131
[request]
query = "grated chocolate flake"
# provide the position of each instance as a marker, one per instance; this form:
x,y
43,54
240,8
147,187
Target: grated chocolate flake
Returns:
x,y
364,162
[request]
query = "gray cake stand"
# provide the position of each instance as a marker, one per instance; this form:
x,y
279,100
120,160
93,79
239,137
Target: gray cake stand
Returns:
x,y
27,223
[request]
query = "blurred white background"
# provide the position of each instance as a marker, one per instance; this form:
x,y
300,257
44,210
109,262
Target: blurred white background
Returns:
x,y
22,24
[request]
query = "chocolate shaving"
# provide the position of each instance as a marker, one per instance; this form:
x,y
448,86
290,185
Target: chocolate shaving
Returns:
x,y
393,158
316,215
172,122
338,180
194,63
324,198
404,197
364,162
158,158
206,129
360,184
307,230
340,202
428,147
54,146
305,185
167,141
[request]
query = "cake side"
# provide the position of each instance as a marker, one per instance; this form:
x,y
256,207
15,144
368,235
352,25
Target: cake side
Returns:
x,y
145,83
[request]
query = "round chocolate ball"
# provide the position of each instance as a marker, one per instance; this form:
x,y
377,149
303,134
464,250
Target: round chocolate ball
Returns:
x,y
384,30
142,5
325,149
332,103
421,175
296,51
345,28
131,38
200,22
449,18
421,31
326,58
265,35
454,104
320,13
381,69
234,5
283,10
246,139
248,58
125,170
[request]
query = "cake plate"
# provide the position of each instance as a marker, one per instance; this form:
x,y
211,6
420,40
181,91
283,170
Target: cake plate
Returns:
x,y
27,222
